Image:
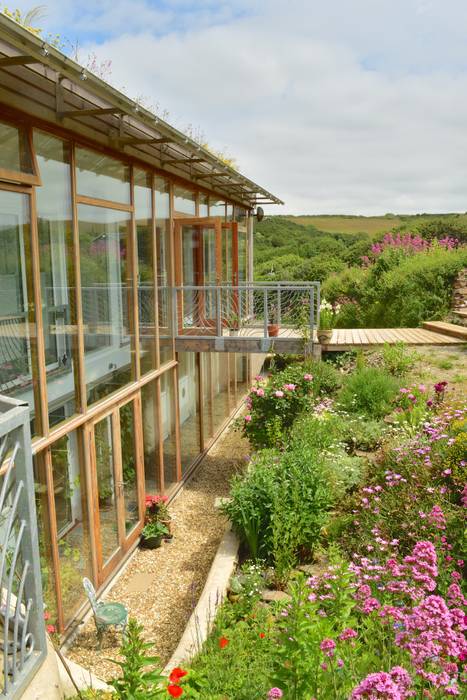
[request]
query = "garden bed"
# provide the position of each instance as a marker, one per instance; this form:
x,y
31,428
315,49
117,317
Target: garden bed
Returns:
x,y
161,587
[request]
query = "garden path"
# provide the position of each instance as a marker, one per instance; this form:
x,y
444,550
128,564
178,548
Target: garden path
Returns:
x,y
161,587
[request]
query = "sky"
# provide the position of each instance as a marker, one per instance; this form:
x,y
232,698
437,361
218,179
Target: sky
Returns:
x,y
342,106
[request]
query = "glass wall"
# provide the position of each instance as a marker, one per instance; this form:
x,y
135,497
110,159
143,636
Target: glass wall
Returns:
x,y
168,421
188,402
206,400
101,177
106,488
164,273
184,200
106,299
18,348
146,270
216,207
220,388
58,292
14,149
203,204
151,447
74,548
129,456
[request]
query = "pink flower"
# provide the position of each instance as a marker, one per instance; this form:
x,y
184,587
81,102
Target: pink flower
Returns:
x,y
279,394
275,693
308,377
289,387
328,646
247,418
384,686
348,633
260,392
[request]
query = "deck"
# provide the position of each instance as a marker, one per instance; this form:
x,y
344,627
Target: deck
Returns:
x,y
251,339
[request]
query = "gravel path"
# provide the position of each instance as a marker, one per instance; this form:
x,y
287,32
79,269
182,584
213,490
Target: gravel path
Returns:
x,y
161,587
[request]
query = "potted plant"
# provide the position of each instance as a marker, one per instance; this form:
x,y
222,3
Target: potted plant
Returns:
x,y
327,321
152,534
157,510
273,326
233,323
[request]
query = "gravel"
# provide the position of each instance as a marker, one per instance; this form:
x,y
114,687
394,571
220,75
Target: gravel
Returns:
x,y
161,587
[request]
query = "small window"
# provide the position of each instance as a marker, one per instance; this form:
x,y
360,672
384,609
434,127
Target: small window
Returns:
x,y
17,162
101,177
184,200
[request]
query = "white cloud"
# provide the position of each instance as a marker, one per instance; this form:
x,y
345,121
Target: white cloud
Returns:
x,y
336,107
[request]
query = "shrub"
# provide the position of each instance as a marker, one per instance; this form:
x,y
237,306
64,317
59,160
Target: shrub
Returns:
x,y
369,390
360,434
397,360
326,378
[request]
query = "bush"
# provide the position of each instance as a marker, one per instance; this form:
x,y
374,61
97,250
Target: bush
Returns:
x,y
397,360
370,391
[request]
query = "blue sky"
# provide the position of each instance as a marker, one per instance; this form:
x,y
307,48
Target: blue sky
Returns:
x,y
346,106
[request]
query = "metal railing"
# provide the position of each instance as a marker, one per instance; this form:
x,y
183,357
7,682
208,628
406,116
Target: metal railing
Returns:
x,y
22,630
255,309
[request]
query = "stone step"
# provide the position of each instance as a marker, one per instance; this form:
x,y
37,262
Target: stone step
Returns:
x,y
449,329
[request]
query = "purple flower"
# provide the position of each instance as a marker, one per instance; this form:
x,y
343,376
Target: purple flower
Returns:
x,y
275,693
328,646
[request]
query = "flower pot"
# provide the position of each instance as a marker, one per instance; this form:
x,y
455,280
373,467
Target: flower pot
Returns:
x,y
273,330
151,542
324,336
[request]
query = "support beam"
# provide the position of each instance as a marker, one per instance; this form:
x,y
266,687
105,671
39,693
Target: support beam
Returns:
x,y
17,61
130,141
204,175
94,112
183,161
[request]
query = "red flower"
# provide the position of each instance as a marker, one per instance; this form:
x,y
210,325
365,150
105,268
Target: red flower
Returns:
x,y
50,629
223,641
177,674
262,635
174,690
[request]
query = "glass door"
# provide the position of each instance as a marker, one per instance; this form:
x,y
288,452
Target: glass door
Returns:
x,y
118,483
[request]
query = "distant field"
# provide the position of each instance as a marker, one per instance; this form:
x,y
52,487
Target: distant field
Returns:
x,y
364,224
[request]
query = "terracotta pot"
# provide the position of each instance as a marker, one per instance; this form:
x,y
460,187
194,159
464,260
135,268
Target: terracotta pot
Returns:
x,y
324,336
273,330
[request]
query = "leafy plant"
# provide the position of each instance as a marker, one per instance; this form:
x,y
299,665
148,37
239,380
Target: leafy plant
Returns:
x,y
369,390
397,359
154,528
140,679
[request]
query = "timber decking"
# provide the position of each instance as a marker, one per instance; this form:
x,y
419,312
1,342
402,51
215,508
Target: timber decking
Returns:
x,y
447,329
289,340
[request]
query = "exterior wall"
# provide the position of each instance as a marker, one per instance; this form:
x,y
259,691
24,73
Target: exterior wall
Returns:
x,y
87,258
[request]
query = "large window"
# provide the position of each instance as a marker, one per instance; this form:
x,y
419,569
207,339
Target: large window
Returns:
x,y
188,401
146,270
184,200
151,437
100,177
168,419
54,222
18,349
106,299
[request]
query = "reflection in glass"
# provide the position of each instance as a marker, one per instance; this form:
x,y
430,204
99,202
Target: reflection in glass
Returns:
x,y
184,200
229,212
163,267
45,538
203,204
102,177
242,375
129,457
14,149
17,314
242,256
220,388
188,383
216,207
168,429
151,438
73,540
146,279
106,488
206,405
57,277
106,299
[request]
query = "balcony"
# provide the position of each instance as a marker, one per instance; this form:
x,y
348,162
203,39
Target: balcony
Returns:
x,y
252,317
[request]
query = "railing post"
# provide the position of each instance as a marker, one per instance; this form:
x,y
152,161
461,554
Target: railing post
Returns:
x,y
265,298
318,303
279,314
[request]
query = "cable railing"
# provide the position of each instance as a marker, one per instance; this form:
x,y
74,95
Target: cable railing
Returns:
x,y
254,309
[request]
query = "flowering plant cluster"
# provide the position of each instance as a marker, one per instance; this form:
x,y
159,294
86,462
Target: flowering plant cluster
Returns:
x,y
273,406
409,243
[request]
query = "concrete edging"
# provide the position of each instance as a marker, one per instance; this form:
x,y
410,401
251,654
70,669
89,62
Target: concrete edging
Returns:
x,y
214,592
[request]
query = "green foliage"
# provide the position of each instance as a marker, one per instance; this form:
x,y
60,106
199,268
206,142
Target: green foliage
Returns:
x,y
397,359
139,680
369,391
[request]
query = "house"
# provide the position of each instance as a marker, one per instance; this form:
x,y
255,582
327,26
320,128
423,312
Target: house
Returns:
x,y
108,217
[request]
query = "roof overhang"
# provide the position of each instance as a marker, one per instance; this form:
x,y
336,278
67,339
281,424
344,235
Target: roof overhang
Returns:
x,y
38,79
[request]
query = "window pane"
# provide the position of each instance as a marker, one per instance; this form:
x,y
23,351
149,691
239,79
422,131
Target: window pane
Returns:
x,y
163,268
206,397
102,177
220,388
54,220
151,438
130,483
216,207
107,295
240,216
229,212
184,200
146,280
168,429
203,205
14,149
73,539
45,539
189,408
17,314
242,256
107,495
